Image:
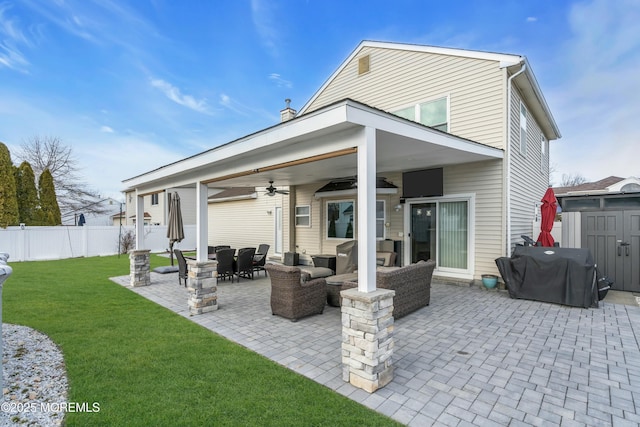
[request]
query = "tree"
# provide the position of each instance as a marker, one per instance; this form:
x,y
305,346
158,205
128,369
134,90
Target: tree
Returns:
x,y
27,194
50,153
571,180
49,209
8,200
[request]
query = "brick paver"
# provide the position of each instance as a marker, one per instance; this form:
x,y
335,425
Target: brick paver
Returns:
x,y
473,357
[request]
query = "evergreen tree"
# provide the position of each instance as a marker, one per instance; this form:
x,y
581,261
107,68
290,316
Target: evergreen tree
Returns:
x,y
27,194
49,209
8,200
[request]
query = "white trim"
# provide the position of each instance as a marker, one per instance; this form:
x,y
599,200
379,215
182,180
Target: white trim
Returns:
x,y
296,216
234,198
470,198
278,230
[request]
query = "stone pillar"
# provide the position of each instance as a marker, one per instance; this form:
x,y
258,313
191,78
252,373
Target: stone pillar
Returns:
x,y
139,267
203,286
367,338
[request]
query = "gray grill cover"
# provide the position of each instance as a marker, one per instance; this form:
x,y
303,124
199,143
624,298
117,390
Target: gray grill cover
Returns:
x,y
347,257
558,275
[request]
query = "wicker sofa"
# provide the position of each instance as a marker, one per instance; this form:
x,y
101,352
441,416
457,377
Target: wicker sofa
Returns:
x,y
412,284
293,298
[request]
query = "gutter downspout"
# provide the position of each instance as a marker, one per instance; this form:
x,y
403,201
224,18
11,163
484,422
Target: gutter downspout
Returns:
x,y
507,153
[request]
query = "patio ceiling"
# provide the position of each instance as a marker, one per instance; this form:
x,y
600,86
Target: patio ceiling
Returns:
x,y
315,147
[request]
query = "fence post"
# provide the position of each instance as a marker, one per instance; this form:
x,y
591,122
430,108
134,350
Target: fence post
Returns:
x,y
5,272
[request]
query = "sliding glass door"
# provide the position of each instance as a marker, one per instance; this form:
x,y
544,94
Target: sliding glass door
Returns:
x,y
440,230
423,231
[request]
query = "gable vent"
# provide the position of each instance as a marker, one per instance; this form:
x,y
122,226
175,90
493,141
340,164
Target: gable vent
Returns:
x,y
363,65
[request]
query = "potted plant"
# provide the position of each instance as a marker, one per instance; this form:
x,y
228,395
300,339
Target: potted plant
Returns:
x,y
489,280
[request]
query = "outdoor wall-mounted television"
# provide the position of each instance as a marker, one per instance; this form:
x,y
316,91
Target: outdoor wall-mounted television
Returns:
x,y
422,183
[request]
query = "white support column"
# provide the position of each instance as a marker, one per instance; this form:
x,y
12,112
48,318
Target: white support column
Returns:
x,y
139,222
202,221
367,211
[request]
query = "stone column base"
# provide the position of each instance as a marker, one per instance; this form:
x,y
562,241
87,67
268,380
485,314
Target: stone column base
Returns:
x,y
202,284
139,267
367,338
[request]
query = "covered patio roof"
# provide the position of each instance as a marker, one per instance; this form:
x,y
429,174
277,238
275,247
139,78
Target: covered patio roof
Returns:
x,y
321,145
346,138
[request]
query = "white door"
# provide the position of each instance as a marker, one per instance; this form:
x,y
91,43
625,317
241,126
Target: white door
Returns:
x,y
278,229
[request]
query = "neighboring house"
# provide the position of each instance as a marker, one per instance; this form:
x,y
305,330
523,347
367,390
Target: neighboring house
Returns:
x,y
604,216
611,184
107,207
157,209
448,147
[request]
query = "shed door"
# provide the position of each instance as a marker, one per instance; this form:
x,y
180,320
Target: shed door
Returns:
x,y
614,240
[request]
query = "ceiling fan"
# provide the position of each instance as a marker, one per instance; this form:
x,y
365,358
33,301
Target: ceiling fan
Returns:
x,y
272,191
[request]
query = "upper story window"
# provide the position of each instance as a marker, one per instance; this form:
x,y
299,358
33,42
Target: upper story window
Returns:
x,y
154,199
431,113
523,129
543,154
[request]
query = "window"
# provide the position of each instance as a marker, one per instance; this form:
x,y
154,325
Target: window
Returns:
x,y
431,113
543,154
381,219
523,130
340,219
303,216
154,199
453,231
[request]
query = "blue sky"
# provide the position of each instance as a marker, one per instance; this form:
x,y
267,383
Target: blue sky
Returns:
x,y
133,85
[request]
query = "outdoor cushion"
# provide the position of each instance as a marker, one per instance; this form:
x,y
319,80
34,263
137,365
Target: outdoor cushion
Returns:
x,y
316,272
166,269
385,259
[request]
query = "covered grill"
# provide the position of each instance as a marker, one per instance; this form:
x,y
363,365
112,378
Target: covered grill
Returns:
x,y
557,275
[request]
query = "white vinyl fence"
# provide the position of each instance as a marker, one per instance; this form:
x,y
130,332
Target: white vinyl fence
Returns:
x,y
48,243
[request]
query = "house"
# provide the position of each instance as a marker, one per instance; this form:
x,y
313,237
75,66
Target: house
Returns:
x,y
97,211
156,207
604,216
444,152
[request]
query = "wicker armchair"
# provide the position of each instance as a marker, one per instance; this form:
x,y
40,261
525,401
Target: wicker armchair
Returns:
x,y
292,299
412,284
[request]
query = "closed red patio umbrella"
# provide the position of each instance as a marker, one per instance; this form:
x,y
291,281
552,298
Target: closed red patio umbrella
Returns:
x,y
548,210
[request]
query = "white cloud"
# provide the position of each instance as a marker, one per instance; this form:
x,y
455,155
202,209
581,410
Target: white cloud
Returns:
x,y
263,14
106,129
531,19
279,81
227,102
597,104
11,36
174,94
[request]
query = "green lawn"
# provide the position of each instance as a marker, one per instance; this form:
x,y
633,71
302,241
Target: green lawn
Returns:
x,y
147,366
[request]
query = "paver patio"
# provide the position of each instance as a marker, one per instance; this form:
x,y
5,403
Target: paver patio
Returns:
x,y
472,357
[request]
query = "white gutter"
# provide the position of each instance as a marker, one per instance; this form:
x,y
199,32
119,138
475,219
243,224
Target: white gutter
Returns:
x,y
507,156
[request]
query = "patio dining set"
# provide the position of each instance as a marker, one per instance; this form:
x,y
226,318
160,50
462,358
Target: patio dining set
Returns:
x,y
232,263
